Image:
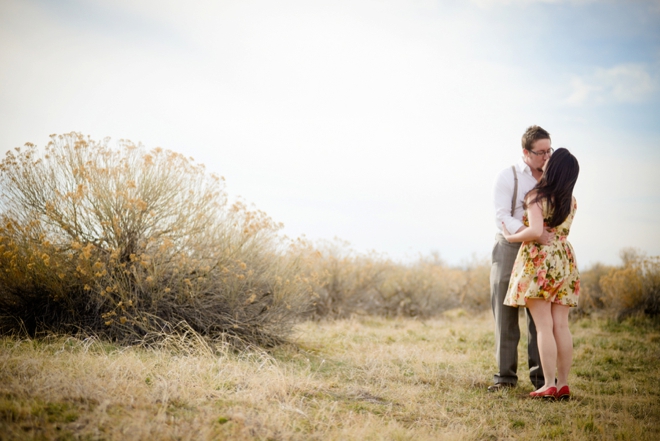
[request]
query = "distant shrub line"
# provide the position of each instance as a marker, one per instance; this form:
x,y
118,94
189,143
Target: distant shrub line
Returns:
x,y
632,288
348,283
134,245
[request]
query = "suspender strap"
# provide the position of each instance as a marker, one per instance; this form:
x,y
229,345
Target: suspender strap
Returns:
x,y
515,189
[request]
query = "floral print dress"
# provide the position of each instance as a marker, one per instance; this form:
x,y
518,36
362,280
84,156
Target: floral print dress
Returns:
x,y
546,271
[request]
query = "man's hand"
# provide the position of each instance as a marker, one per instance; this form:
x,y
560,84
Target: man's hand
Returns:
x,y
546,237
505,232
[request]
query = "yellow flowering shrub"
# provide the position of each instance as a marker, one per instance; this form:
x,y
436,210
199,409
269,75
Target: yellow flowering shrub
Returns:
x,y
634,287
130,244
592,297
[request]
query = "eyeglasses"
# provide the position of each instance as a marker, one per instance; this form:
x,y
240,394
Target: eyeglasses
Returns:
x,y
543,153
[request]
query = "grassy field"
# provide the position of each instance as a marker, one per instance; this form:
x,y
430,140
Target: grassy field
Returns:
x,y
365,378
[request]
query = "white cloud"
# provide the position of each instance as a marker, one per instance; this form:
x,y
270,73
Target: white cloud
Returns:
x,y
357,121
367,120
581,91
625,83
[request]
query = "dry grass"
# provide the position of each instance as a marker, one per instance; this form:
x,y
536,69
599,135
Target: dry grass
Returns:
x,y
362,378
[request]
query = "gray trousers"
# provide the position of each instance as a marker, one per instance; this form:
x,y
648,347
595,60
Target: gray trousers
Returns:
x,y
507,329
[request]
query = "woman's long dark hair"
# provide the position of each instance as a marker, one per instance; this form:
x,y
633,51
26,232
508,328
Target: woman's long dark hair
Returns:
x,y
556,185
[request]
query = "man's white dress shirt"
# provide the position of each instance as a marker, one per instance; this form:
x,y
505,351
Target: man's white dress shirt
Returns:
x,y
503,195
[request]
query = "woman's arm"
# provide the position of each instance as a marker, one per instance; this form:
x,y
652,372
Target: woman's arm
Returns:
x,y
535,229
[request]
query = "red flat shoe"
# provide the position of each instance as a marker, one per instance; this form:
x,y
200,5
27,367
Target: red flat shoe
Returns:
x,y
548,394
563,394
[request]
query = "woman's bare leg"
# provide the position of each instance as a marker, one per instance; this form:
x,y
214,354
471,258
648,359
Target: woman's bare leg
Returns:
x,y
564,342
542,314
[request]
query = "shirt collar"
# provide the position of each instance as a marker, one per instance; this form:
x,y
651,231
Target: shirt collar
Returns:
x,y
523,167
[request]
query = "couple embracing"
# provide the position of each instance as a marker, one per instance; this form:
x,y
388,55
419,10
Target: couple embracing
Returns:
x,y
533,265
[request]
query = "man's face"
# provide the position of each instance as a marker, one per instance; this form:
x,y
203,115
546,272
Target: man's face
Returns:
x,y
539,155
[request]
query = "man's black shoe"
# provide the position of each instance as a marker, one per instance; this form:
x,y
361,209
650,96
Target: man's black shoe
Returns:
x,y
500,386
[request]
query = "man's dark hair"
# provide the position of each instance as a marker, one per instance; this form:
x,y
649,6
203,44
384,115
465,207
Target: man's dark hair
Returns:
x,y
532,134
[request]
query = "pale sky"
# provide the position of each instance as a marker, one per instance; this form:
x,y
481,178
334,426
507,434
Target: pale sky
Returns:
x,y
382,123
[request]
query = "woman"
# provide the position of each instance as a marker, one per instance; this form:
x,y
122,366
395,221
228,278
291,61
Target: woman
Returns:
x,y
545,278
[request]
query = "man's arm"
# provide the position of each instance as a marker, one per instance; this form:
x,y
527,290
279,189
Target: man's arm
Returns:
x,y
502,196
546,237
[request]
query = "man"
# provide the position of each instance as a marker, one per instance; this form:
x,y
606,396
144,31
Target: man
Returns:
x,y
511,186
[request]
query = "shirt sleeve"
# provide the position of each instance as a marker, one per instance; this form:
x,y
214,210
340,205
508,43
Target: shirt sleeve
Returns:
x,y
502,195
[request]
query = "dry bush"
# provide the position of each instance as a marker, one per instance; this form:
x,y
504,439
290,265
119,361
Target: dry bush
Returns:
x,y
344,282
634,287
130,244
592,296
347,283
475,287
422,289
